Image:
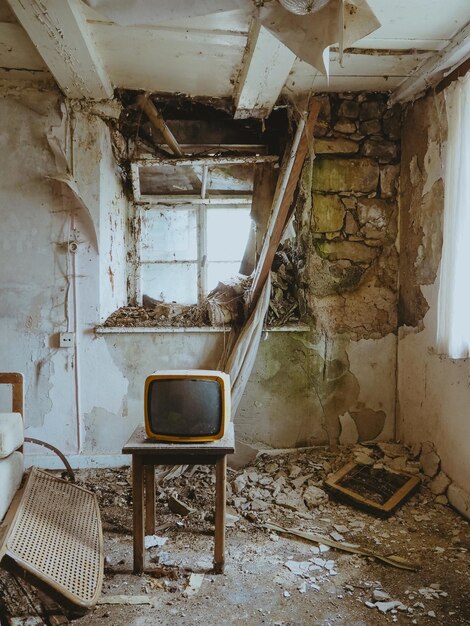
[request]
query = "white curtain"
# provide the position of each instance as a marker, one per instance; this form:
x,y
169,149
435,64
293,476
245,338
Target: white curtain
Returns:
x,y
453,327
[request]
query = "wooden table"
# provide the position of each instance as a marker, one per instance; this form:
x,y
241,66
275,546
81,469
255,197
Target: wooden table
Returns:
x,y
146,454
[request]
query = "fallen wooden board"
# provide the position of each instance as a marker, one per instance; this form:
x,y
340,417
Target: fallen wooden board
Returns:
x,y
129,600
395,561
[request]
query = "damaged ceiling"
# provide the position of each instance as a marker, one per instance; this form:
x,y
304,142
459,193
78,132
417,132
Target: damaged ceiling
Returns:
x,y
221,54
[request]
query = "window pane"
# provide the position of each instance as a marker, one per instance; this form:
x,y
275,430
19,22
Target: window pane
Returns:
x,y
165,180
221,271
234,179
227,234
169,234
170,282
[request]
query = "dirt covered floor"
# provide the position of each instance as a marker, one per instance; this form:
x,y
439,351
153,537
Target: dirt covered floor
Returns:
x,y
272,579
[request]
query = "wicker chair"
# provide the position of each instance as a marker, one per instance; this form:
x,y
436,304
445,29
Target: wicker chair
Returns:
x,y
51,531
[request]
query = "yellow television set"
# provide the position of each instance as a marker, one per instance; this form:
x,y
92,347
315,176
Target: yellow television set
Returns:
x,y
187,405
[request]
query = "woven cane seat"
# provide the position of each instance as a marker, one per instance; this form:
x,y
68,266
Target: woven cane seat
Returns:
x,y
55,539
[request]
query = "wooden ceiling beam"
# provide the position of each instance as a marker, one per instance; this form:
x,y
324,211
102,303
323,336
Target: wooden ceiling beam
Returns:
x,y
434,69
265,68
60,33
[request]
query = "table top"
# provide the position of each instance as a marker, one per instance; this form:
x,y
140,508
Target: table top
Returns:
x,y
139,443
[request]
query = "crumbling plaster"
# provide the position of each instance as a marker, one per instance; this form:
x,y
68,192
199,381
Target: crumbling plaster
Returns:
x,y
433,390
304,386
347,214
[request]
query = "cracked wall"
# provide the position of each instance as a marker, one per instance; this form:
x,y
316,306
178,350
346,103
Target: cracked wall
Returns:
x,y
346,218
307,387
433,390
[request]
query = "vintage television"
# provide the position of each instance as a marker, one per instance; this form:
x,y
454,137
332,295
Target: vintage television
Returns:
x,y
187,405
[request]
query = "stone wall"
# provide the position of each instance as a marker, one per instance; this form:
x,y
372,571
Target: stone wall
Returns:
x,y
339,378
347,216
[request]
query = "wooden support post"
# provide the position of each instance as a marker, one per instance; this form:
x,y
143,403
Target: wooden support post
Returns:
x,y
138,512
283,198
220,505
149,499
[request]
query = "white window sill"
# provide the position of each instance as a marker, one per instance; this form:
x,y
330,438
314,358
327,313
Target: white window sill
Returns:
x,y
121,330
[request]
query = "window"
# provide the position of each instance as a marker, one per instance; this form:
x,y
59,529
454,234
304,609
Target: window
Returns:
x,y
453,330
192,225
185,250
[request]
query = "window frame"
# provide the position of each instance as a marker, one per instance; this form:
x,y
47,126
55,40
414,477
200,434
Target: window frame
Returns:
x,y
201,262
142,203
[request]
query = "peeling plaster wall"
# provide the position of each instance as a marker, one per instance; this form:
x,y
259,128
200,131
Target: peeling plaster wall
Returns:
x,y
339,379
308,389
32,269
434,390
332,384
336,383
45,289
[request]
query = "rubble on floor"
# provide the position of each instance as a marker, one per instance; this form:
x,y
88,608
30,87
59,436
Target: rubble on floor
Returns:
x,y
272,578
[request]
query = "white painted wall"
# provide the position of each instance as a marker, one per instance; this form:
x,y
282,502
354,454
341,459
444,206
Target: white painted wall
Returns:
x,y
434,395
87,400
46,290
433,390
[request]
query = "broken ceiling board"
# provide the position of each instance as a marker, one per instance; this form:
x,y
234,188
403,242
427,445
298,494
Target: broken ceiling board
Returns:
x,y
168,60
16,49
433,70
60,33
266,66
419,19
152,161
374,72
377,43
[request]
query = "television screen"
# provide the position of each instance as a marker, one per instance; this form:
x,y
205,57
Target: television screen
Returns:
x,y
185,407
191,405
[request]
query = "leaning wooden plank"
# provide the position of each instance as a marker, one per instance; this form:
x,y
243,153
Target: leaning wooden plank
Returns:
x,y
284,195
395,561
157,121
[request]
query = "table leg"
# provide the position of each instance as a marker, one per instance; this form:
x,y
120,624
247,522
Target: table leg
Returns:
x,y
137,512
220,490
149,471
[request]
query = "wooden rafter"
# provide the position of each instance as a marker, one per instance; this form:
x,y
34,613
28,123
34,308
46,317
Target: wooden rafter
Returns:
x,y
60,33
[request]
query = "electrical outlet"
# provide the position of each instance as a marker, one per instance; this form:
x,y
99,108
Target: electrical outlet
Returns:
x,y
66,340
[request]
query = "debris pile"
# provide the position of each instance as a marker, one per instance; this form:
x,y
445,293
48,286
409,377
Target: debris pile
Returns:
x,y
162,314
286,301
285,536
223,305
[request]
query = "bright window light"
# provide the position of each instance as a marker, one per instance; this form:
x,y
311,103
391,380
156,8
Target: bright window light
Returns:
x,y
227,235
453,328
